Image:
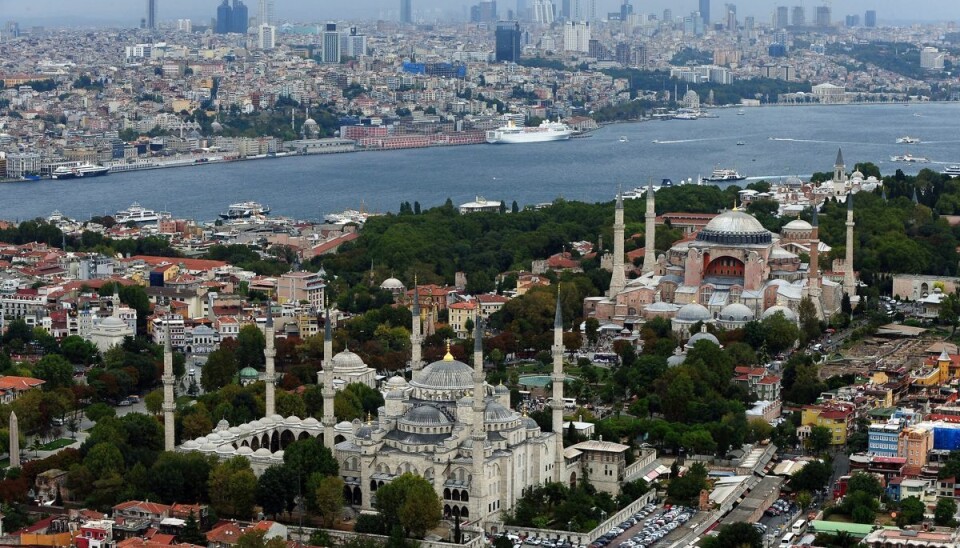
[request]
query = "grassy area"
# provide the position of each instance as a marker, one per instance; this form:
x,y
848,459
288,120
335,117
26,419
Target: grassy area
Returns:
x,y
56,444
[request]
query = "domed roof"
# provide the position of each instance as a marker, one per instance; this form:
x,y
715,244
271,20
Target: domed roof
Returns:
x,y
446,374
793,181
216,127
781,253
347,361
365,432
310,122
501,389
856,175
397,382
787,313
497,413
702,336
661,306
677,358
248,373
693,312
310,421
112,322
425,415
736,312
391,283
529,423
798,224
734,227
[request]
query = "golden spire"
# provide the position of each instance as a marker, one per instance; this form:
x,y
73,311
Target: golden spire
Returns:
x,y
369,418
448,357
735,205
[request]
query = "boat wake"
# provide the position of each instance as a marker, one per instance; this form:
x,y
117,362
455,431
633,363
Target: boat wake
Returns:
x,y
659,142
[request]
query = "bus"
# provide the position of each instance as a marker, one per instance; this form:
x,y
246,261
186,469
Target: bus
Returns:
x,y
569,403
799,527
787,540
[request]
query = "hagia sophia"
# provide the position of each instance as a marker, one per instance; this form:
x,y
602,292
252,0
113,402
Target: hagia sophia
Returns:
x,y
728,273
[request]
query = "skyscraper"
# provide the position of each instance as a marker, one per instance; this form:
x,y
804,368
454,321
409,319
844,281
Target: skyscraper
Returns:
x,y
870,19
508,41
265,17
626,9
780,20
239,18
852,20
151,14
406,11
799,16
488,11
267,37
565,9
731,16
543,11
224,17
705,12
823,16
331,44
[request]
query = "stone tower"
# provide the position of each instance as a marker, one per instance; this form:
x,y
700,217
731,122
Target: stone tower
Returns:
x,y
14,447
839,169
849,285
650,232
557,379
169,439
326,380
269,353
619,279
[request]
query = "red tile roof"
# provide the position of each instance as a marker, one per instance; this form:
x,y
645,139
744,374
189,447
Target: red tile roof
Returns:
x,y
19,383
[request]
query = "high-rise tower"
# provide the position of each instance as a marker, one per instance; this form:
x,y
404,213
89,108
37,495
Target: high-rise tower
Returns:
x,y
169,440
619,279
269,353
151,14
705,12
478,436
557,379
406,11
265,15
650,230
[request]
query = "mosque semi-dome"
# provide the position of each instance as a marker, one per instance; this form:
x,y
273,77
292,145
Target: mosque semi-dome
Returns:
x,y
425,415
798,224
787,313
734,227
736,312
702,336
693,312
392,284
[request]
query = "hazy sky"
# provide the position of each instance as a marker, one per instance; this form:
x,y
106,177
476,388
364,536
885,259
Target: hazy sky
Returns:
x,y
117,12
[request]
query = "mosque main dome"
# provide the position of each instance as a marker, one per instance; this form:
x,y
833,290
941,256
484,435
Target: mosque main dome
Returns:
x,y
734,227
446,374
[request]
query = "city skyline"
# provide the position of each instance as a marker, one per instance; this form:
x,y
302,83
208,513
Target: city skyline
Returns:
x,y
94,12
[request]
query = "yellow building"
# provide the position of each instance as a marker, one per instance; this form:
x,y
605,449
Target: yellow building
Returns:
x,y
459,314
837,417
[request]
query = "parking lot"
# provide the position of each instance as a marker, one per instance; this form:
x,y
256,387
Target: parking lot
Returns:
x,y
646,528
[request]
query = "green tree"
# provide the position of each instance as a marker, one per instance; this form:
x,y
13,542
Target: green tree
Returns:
x,y
809,323
865,483
99,411
103,458
190,533
309,456
804,499
219,370
55,370
78,351
812,477
820,439
232,487
911,511
944,512
276,490
779,333
411,502
735,535
328,495
256,539
153,401
250,345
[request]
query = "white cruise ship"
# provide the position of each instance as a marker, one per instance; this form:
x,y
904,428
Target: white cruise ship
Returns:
x,y
78,170
514,134
244,210
139,214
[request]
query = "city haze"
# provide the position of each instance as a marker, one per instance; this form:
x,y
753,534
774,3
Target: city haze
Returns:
x,y
103,12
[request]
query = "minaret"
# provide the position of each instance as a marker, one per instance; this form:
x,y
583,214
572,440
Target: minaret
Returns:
x,y
618,279
269,353
557,379
813,276
329,420
169,441
848,282
650,229
416,335
839,169
479,435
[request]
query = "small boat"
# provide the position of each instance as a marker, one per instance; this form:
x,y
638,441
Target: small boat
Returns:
x,y
623,138
907,140
655,141
740,143
910,159
740,112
